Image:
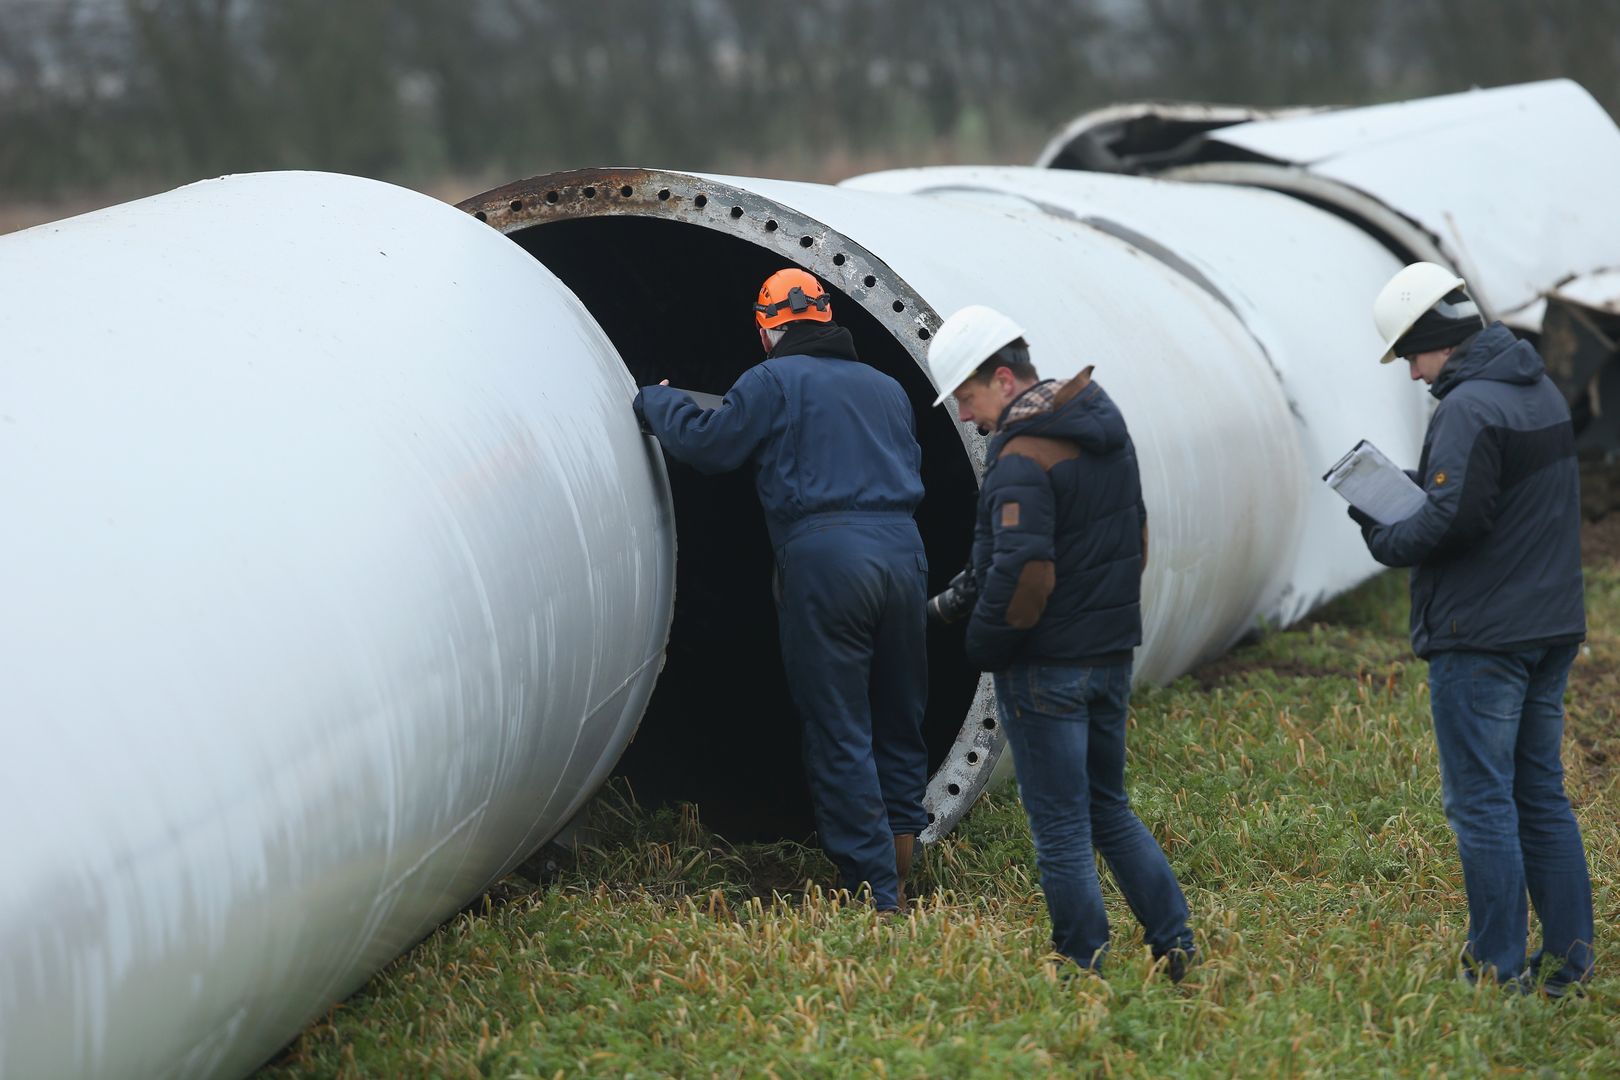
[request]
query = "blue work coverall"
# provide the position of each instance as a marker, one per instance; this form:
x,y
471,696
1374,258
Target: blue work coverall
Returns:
x,y
833,448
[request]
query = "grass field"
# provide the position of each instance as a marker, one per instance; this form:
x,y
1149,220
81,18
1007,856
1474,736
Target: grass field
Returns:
x,y
1295,787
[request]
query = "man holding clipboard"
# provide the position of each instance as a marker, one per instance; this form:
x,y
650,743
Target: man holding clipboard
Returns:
x,y
1497,610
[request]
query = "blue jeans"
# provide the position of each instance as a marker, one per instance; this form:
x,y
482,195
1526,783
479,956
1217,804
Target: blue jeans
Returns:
x,y
1066,727
1499,725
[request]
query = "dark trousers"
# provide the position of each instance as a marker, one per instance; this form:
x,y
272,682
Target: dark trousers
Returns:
x,y
853,629
1499,726
1066,728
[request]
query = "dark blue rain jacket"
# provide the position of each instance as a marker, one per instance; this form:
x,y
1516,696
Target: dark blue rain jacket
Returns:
x,y
1496,551
825,433
1060,542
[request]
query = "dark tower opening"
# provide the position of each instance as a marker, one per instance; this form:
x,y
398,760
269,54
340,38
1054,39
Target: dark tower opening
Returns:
x,y
721,731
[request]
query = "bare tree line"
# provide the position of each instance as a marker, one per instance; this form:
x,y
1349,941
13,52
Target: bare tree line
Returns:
x,y
107,92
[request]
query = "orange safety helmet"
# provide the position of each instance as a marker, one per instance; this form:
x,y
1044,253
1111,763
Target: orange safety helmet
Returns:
x,y
790,295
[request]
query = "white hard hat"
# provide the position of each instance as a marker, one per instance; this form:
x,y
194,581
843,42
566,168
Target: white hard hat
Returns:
x,y
1410,293
966,340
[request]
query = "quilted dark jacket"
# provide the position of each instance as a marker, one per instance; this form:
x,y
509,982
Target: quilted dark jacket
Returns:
x,y
1496,552
1059,545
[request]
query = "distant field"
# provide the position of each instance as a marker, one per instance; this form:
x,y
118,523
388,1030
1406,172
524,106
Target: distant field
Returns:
x,y
1294,785
824,165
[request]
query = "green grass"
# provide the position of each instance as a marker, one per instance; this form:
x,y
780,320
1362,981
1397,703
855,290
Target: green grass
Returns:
x,y
1295,788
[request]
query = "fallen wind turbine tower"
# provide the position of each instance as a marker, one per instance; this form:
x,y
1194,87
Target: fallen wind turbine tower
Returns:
x,y
338,577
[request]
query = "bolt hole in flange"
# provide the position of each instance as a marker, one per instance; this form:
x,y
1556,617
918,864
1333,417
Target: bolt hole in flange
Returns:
x,y
627,191
839,259
869,281
589,193
552,197
807,241
736,212
701,201
770,225
745,774
517,205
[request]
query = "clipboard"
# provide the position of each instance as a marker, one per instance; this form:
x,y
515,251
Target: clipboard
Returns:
x,y
1376,486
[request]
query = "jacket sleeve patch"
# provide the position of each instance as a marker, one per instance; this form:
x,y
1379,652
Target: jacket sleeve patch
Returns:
x,y
1440,478
1009,515
1035,584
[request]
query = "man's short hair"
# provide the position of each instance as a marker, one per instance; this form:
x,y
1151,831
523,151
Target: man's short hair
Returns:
x,y
1014,356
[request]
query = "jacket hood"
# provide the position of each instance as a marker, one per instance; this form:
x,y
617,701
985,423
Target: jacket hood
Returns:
x,y
1493,353
816,339
1080,412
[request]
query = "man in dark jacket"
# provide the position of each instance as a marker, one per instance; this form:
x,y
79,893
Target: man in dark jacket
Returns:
x,y
1059,550
1498,611
832,445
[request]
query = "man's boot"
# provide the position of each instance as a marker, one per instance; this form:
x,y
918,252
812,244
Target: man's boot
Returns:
x,y
902,865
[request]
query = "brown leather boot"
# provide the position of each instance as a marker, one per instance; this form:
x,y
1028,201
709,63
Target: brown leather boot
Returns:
x,y
902,864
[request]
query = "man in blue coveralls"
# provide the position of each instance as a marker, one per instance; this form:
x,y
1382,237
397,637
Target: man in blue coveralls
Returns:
x,y
834,452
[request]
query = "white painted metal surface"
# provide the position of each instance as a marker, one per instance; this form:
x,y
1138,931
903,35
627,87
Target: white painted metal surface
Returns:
x,y
1209,419
1517,184
334,576
1300,282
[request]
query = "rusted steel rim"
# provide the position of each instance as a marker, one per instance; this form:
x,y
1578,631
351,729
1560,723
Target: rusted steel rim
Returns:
x,y
695,200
